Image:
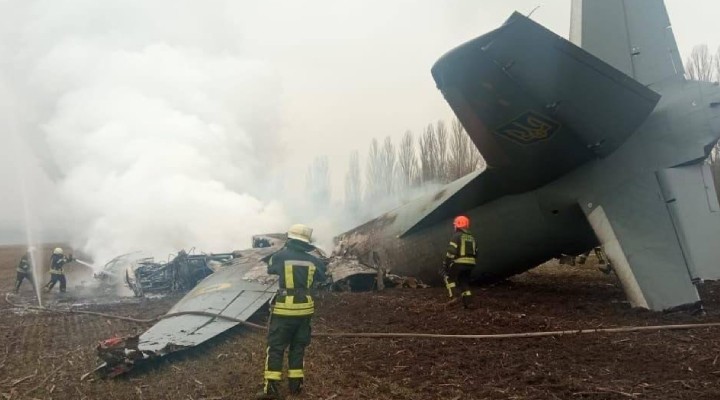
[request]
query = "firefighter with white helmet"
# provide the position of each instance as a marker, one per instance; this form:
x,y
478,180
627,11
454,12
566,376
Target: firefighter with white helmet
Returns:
x,y
292,310
57,271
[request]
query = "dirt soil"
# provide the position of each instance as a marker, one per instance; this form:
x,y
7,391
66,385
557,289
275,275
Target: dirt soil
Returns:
x,y
43,355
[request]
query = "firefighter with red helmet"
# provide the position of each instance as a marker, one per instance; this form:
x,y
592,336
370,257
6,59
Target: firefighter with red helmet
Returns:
x,y
460,260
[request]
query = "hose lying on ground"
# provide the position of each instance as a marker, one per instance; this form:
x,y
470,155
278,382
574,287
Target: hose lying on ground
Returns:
x,y
71,311
392,335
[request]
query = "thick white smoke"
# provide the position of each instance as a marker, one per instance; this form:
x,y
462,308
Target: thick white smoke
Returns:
x,y
158,132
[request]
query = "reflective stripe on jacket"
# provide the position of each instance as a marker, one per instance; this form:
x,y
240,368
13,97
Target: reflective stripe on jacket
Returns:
x,y
298,271
462,249
57,261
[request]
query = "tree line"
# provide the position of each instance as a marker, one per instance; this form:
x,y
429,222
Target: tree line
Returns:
x,y
394,171
702,65
440,154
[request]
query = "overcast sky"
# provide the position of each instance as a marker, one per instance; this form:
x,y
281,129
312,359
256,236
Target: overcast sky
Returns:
x,y
354,70
245,83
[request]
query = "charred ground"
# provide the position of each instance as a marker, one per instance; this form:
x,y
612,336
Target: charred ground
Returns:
x,y
44,355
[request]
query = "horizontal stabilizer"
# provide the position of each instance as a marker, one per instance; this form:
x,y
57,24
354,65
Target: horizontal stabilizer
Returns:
x,y
537,106
636,231
457,197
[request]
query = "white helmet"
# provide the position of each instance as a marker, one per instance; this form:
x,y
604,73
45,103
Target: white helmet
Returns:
x,y
300,232
58,250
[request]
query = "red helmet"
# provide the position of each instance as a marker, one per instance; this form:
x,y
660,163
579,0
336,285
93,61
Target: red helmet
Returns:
x,y
461,222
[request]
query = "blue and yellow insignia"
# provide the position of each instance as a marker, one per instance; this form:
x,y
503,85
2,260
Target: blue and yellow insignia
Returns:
x,y
529,128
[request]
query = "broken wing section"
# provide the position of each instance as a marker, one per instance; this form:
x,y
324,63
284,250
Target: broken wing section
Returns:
x,y
235,291
634,36
537,106
636,231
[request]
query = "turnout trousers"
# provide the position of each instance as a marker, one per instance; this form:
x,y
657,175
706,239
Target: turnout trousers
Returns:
x,y
21,276
55,278
459,276
292,333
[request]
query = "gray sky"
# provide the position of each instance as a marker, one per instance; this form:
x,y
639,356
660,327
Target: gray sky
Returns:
x,y
131,106
354,70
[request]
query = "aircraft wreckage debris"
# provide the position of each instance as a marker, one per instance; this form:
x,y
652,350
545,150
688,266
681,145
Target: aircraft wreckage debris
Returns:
x,y
238,287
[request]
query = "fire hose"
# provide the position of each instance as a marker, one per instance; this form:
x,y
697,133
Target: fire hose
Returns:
x,y
389,335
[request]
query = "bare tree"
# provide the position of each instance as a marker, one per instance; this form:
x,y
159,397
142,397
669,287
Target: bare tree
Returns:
x,y
353,184
442,151
428,155
388,163
459,158
476,159
407,162
717,64
701,64
464,156
714,159
317,182
373,174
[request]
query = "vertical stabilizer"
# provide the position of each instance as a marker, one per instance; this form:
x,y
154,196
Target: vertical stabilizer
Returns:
x,y
634,36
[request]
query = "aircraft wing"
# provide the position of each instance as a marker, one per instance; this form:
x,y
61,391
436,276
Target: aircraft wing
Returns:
x,y
537,106
634,36
237,291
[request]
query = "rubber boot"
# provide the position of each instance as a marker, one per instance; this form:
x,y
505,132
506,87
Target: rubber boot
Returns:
x,y
270,391
606,269
295,385
451,302
466,302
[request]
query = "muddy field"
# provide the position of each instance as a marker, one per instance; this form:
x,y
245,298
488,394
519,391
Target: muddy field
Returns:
x,y
44,355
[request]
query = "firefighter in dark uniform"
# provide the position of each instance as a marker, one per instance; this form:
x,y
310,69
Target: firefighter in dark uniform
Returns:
x,y
292,310
460,260
57,272
24,271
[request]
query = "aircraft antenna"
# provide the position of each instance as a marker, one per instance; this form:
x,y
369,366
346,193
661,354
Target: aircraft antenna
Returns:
x,y
533,11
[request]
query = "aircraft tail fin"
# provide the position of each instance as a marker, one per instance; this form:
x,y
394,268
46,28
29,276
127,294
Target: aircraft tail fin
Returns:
x,y
634,36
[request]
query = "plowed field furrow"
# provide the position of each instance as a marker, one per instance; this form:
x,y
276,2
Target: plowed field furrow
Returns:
x,y
649,365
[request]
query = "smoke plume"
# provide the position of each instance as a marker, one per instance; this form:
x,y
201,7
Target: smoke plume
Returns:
x,y
155,129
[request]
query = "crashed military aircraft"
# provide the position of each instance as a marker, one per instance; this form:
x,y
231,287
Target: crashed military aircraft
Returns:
x,y
228,293
236,291
602,141
598,142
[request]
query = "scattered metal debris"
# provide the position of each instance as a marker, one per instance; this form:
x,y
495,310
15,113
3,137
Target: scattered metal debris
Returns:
x,y
268,240
220,299
236,292
181,274
349,275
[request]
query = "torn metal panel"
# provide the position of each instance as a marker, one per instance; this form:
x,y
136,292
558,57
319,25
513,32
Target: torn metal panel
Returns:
x,y
268,240
236,291
348,274
182,273
113,272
